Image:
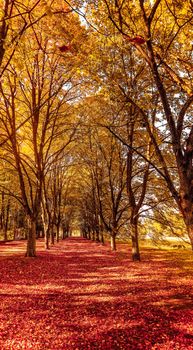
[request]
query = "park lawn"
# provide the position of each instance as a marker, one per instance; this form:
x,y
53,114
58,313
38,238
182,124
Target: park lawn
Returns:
x,y
79,295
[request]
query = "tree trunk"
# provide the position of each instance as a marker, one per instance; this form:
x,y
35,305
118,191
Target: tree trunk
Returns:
x,y
190,234
58,232
52,234
135,240
186,205
47,236
31,241
64,233
93,236
5,228
97,236
46,227
101,229
113,242
188,218
3,214
102,238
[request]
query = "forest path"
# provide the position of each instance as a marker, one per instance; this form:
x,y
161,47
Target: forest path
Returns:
x,y
79,295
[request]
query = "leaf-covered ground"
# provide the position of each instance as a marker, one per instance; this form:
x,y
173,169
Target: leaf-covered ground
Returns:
x,y
79,295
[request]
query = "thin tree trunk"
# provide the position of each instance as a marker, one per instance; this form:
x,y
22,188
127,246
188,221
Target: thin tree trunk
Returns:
x,y
3,30
52,237
113,242
3,211
47,237
31,242
97,236
102,238
57,232
52,233
6,220
46,225
64,233
101,228
46,233
93,236
135,240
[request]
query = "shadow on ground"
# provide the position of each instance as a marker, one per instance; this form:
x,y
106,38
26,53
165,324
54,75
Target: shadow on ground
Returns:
x,y
79,295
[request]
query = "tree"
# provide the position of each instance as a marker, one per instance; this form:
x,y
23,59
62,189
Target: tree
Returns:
x,y
37,124
105,162
156,31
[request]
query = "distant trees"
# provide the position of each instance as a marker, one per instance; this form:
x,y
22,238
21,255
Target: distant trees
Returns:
x,y
104,203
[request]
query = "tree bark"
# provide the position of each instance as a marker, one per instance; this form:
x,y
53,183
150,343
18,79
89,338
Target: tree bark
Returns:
x,y
190,233
47,236
3,30
93,236
113,242
5,229
187,212
97,236
52,233
102,237
135,240
64,233
57,232
31,242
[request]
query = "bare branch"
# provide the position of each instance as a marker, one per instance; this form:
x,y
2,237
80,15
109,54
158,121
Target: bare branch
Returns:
x,y
153,11
181,115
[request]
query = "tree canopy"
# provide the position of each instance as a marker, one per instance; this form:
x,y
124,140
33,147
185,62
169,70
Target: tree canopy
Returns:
x,y
96,117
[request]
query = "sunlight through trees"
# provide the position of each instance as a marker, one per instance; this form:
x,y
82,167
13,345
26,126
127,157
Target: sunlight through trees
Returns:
x,y
96,121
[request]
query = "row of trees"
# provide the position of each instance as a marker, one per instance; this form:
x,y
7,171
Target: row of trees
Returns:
x,y
143,61
121,194
97,114
37,119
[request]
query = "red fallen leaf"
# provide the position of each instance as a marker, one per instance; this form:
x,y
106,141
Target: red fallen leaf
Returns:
x,y
64,48
136,40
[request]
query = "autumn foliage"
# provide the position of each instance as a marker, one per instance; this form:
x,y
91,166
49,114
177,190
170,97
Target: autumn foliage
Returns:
x,y
79,295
